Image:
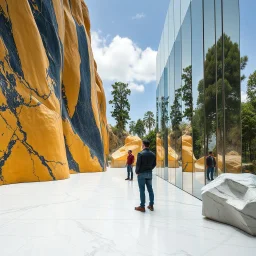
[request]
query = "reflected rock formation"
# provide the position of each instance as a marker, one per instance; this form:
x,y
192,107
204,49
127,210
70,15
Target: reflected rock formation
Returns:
x,y
119,158
188,158
52,102
160,154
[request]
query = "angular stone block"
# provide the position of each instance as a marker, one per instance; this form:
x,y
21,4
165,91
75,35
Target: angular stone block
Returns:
x,y
231,199
119,158
52,102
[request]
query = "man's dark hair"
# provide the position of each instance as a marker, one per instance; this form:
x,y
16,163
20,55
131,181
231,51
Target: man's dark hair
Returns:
x,y
146,143
210,152
130,150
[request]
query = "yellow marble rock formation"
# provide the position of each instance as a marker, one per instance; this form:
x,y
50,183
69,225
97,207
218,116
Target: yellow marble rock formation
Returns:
x,y
188,158
52,102
160,154
119,158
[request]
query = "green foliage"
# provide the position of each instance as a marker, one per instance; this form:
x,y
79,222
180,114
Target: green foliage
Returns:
x,y
132,128
149,120
151,137
211,92
120,104
175,113
243,64
251,89
140,129
187,97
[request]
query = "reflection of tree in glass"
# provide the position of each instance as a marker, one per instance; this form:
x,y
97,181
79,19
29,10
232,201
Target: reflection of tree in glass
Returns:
x,y
176,114
164,124
213,89
187,97
157,114
164,114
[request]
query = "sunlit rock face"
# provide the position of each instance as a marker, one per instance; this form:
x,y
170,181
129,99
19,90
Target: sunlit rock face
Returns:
x,y
52,102
160,154
119,158
231,199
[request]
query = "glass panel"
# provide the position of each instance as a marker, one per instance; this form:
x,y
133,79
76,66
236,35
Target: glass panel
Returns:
x,y
198,97
165,115
176,9
173,157
176,111
220,88
187,106
157,133
210,87
232,86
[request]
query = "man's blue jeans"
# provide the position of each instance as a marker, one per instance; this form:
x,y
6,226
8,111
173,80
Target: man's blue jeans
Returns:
x,y
210,171
145,178
129,171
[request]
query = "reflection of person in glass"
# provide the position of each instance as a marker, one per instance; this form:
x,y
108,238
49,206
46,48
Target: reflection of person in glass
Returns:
x,y
210,164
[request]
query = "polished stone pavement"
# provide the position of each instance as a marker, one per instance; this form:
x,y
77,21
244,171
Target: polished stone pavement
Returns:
x,y
93,215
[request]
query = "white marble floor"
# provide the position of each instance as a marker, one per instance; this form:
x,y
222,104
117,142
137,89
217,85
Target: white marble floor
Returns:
x,y
93,215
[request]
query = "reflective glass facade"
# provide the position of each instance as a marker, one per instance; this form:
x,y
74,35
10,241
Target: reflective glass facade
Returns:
x,y
198,95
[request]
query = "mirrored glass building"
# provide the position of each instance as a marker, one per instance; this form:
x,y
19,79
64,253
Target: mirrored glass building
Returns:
x,y
198,95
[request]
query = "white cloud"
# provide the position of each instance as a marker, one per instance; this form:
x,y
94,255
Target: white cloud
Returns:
x,y
243,96
122,60
139,16
136,87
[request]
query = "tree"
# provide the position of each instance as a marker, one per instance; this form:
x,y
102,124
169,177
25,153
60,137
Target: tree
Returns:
x,y
248,128
149,120
213,88
132,127
243,64
176,114
139,128
187,97
120,104
251,89
151,137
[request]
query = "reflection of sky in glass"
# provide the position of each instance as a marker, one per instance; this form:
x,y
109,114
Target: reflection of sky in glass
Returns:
x,y
197,47
178,61
186,49
209,25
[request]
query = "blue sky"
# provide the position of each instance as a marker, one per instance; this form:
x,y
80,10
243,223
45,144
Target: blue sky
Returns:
x,y
128,33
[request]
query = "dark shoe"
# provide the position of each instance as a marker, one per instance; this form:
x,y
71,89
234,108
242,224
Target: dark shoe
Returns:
x,y
131,179
151,208
140,209
127,179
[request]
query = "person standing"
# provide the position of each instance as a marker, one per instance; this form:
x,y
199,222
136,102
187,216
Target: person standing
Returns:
x,y
146,162
210,164
129,163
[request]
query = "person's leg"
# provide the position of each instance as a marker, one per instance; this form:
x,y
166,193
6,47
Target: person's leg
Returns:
x,y
150,190
131,168
128,172
208,173
141,182
212,172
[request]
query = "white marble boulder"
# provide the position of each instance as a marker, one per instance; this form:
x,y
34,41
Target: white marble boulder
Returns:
x,y
231,199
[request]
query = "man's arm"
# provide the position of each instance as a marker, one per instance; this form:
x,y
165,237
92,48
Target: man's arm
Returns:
x,y
138,163
132,159
154,163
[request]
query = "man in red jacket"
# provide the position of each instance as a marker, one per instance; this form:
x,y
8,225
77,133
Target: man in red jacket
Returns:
x,y
129,163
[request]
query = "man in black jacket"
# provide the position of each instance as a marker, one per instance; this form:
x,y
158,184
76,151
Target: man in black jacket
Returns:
x,y
210,165
146,162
